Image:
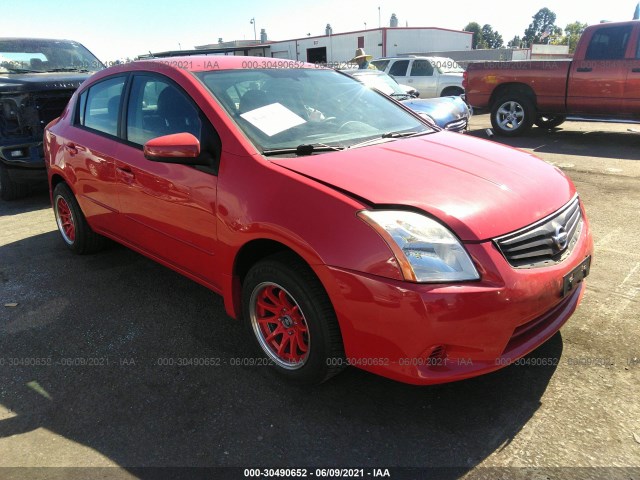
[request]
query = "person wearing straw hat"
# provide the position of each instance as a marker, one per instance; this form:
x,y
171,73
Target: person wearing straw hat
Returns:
x,y
362,59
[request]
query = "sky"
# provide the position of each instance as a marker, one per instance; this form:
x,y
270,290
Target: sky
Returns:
x,y
117,29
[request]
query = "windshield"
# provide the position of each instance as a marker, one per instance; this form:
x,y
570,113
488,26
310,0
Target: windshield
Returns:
x,y
382,82
38,55
287,108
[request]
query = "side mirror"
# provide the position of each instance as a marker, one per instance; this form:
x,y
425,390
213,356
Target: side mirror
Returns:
x,y
176,148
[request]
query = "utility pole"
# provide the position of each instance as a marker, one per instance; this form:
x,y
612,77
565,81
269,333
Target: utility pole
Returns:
x,y
253,22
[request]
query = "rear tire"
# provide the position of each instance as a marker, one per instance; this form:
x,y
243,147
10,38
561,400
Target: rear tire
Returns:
x,y
290,317
72,224
550,121
10,190
512,114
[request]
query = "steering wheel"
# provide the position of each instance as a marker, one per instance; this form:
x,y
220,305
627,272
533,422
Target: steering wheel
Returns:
x,y
353,126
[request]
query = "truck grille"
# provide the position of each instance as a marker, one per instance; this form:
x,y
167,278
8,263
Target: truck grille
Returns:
x,y
546,242
26,114
51,105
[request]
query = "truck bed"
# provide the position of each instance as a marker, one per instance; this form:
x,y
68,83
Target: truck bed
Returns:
x,y
548,78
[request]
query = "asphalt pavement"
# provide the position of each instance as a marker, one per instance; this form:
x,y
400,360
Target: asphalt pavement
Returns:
x,y
115,364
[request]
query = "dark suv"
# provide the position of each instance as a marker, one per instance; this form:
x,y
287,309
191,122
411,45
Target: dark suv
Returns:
x,y
37,79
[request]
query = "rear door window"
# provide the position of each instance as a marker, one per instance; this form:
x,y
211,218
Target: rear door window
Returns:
x,y
421,68
99,106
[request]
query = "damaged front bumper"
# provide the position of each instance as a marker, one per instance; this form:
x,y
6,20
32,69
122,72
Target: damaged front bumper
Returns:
x,y
23,116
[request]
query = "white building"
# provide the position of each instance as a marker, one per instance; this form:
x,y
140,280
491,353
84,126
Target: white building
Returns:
x,y
379,42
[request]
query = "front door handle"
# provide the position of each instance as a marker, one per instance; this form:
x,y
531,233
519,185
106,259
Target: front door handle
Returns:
x,y
585,69
126,174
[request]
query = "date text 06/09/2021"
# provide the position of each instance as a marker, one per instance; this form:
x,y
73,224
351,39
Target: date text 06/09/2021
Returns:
x,y
317,472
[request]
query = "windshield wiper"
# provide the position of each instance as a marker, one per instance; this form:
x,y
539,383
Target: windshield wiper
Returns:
x,y
68,69
303,149
389,135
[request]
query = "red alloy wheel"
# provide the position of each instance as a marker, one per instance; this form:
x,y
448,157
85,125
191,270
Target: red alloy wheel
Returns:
x,y
65,220
279,325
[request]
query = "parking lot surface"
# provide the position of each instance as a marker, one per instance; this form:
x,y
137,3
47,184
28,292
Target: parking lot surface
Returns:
x,y
113,361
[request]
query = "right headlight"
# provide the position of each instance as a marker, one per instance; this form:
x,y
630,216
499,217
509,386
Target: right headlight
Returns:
x,y
426,250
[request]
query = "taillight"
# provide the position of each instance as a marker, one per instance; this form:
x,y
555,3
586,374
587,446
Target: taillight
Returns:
x,y
464,80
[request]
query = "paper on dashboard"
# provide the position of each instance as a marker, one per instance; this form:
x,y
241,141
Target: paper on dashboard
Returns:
x,y
273,119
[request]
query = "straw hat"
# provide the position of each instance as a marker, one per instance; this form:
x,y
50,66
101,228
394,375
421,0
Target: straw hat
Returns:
x,y
360,54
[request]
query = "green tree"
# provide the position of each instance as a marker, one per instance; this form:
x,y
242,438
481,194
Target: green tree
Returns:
x,y
543,25
477,41
491,38
515,42
572,34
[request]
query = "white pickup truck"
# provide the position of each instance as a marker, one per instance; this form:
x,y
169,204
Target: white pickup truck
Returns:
x,y
431,76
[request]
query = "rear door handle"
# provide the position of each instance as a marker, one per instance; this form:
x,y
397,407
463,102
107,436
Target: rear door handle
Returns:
x,y
635,70
71,148
585,69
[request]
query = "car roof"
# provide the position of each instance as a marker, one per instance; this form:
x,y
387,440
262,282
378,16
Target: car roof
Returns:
x,y
411,57
203,63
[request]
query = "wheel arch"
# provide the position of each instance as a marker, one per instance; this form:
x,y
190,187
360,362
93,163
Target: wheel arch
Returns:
x,y
248,255
56,178
446,91
513,88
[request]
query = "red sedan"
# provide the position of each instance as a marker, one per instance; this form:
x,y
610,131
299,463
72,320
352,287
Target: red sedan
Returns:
x,y
339,226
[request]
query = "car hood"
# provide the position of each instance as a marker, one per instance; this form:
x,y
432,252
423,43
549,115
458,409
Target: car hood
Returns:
x,y
25,82
442,109
478,188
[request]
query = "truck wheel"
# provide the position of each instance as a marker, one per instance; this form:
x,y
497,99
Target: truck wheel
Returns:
x,y
512,115
10,190
288,313
72,224
550,121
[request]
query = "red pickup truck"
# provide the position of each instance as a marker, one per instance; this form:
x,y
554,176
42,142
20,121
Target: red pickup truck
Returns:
x,y
601,82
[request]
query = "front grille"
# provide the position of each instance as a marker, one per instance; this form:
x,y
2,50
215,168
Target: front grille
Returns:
x,y
26,114
546,242
51,105
457,125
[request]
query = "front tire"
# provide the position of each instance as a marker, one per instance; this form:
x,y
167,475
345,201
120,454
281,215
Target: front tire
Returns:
x,y
512,115
72,224
10,190
289,315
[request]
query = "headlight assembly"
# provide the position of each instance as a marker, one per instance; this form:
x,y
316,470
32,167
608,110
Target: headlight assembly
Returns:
x,y
426,250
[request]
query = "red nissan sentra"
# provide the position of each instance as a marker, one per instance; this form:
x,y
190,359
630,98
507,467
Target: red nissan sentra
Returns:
x,y
339,226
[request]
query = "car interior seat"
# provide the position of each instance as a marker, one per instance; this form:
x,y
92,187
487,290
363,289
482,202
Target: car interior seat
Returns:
x,y
177,114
